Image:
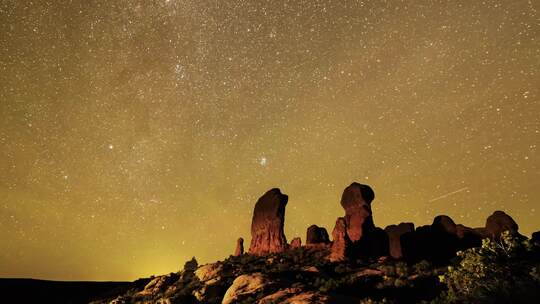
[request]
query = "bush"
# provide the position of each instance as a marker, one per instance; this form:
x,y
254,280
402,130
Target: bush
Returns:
x,y
501,271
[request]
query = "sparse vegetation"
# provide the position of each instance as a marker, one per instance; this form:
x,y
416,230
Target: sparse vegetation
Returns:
x,y
500,271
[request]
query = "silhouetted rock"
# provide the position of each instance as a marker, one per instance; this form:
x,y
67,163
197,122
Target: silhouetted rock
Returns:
x,y
356,200
499,222
341,242
437,243
394,233
316,235
239,247
468,237
267,226
536,237
444,224
296,243
374,243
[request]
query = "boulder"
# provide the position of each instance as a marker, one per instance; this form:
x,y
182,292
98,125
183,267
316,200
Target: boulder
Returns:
x,y
341,242
294,296
296,243
394,233
245,286
267,234
209,273
499,222
316,235
356,200
158,284
239,247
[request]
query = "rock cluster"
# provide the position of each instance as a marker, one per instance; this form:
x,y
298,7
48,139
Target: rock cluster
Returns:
x,y
356,236
267,234
394,237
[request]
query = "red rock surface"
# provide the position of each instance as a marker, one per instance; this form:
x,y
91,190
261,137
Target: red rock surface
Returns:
x,y
341,241
296,243
239,247
356,200
267,234
394,233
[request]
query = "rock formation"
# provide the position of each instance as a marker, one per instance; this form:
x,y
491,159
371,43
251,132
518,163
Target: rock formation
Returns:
x,y
244,286
341,242
468,237
499,222
239,247
394,233
296,243
267,234
356,200
316,235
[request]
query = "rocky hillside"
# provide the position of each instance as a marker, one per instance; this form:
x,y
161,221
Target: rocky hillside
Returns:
x,y
443,262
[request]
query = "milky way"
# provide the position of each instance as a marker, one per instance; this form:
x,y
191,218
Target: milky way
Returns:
x,y
137,134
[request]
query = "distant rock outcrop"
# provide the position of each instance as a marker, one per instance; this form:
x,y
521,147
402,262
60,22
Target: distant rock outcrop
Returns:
x,y
239,247
394,233
356,200
267,234
499,222
316,235
438,242
341,242
296,243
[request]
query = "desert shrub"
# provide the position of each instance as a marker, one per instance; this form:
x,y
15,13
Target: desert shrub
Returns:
x,y
500,271
423,268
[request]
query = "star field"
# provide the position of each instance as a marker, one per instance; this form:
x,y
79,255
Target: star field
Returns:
x,y
137,134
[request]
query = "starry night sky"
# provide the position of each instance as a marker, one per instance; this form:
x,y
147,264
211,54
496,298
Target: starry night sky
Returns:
x,y
137,134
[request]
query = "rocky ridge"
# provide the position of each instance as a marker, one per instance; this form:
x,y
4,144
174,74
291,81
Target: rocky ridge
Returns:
x,y
275,272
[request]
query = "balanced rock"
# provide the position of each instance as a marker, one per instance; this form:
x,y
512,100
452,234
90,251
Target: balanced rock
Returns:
x,y
394,233
316,235
239,247
341,242
296,243
499,222
356,200
267,234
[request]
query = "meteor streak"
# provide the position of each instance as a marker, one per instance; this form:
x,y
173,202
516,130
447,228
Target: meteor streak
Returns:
x,y
448,194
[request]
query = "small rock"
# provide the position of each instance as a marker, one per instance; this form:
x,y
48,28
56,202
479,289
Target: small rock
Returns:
x,y
239,247
296,243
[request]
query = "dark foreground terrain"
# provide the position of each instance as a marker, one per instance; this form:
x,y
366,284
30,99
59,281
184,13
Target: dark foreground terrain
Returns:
x,y
42,291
